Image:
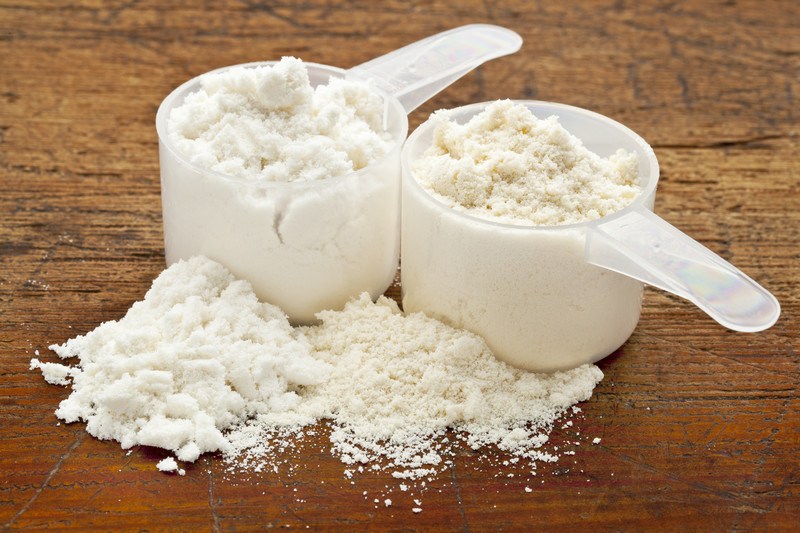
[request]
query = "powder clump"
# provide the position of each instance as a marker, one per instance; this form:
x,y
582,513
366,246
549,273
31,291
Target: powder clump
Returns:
x,y
509,166
169,464
197,356
267,123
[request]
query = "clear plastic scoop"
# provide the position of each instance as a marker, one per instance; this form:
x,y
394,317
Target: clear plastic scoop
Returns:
x,y
552,298
636,242
312,245
416,72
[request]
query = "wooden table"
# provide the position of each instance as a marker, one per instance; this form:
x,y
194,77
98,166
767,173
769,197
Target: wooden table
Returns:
x,y
699,425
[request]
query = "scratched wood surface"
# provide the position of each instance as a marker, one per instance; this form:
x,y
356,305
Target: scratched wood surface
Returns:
x,y
699,425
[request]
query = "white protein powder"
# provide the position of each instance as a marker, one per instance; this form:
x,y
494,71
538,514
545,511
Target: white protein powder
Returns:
x,y
480,259
267,123
506,165
308,208
399,382
168,464
197,356
200,365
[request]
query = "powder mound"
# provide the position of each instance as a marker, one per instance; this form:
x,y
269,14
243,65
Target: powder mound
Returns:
x,y
399,382
197,356
509,166
267,123
169,464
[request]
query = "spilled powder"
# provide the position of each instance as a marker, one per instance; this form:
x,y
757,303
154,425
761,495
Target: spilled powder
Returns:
x,y
399,382
199,355
200,366
168,464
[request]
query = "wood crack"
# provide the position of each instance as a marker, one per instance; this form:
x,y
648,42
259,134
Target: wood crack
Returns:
x,y
212,502
706,351
457,487
53,471
747,142
694,484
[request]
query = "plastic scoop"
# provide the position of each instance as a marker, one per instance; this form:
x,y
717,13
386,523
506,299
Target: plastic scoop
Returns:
x,y
550,298
416,72
312,245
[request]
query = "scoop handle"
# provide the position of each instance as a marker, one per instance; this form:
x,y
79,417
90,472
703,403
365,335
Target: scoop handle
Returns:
x,y
643,246
416,72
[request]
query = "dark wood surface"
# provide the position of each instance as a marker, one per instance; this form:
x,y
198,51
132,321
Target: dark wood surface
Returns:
x,y
700,427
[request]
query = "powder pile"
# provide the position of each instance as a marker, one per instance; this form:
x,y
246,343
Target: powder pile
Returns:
x,y
508,166
169,464
200,365
268,123
399,382
198,355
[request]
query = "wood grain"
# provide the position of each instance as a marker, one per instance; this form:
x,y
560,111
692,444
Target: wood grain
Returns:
x,y
699,425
